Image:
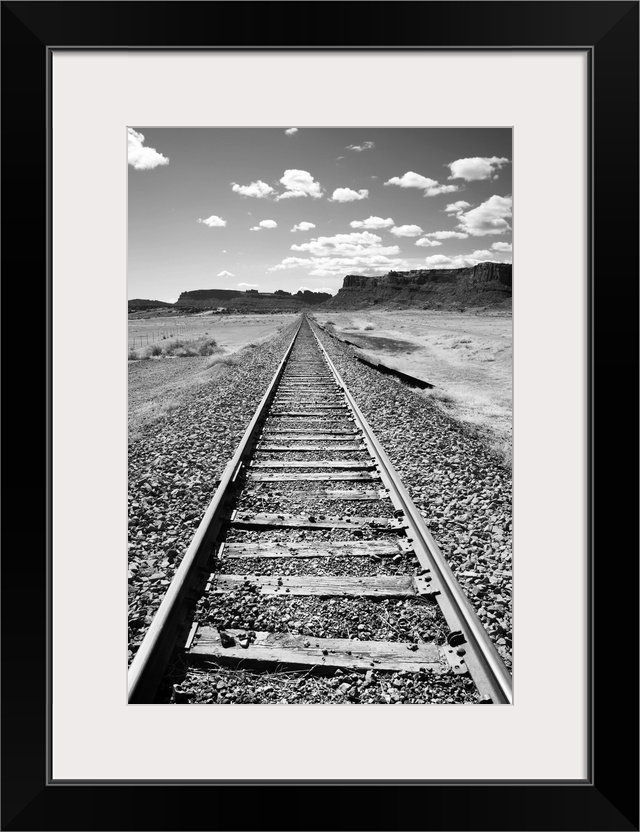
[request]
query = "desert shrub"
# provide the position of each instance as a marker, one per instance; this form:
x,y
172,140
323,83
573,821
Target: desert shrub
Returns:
x,y
180,348
368,327
168,407
222,361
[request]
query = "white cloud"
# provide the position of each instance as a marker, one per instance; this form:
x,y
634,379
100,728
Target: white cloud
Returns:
x,y
476,167
303,226
337,266
264,224
327,289
348,195
140,157
426,243
225,273
346,244
461,261
360,147
447,235
342,254
502,247
457,207
299,183
291,131
431,187
304,289
406,230
214,222
258,189
372,223
488,218
248,285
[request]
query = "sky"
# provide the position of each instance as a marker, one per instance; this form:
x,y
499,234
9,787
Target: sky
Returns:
x,y
299,208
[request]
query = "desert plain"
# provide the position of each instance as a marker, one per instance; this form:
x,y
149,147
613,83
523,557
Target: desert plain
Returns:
x,y
466,356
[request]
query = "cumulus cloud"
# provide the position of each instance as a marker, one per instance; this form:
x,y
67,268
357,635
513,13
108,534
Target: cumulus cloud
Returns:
x,y
426,243
303,226
348,195
360,147
214,222
447,235
141,157
346,244
291,131
430,187
343,253
248,285
488,218
337,266
264,224
299,183
225,273
476,167
457,207
406,230
372,223
258,189
502,247
461,261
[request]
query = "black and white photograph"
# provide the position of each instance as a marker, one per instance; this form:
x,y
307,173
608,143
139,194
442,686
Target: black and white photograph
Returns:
x,y
320,415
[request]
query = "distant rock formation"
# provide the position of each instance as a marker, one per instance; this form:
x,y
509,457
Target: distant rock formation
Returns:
x,y
141,305
486,284
249,301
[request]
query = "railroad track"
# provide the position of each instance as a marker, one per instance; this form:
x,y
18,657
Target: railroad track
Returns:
x,y
310,518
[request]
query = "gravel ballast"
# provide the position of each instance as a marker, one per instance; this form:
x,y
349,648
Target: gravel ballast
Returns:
x,y
175,464
459,486
462,490
216,685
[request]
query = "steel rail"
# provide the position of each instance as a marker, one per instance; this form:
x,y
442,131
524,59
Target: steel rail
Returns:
x,y
150,662
485,665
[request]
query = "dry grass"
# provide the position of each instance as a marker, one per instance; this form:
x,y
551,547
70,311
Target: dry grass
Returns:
x,y
223,361
176,348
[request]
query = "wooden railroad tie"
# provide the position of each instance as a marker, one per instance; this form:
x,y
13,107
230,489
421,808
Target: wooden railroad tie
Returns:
x,y
272,649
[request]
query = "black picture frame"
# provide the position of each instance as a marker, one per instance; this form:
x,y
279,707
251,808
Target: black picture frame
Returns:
x,y
608,799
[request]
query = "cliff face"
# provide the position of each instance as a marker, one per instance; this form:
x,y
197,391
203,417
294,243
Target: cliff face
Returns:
x,y
487,284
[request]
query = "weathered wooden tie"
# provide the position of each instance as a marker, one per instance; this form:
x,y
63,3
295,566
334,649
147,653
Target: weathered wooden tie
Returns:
x,y
292,476
326,493
248,520
273,649
300,463
376,586
387,547
306,448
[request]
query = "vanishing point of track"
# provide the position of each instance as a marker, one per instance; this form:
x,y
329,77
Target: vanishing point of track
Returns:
x,y
309,433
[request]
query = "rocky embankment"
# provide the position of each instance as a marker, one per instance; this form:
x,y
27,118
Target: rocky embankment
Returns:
x,y
487,284
175,467
459,486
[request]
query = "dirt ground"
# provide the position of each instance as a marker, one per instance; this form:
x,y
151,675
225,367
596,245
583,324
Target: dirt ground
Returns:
x,y
232,332
467,357
157,384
